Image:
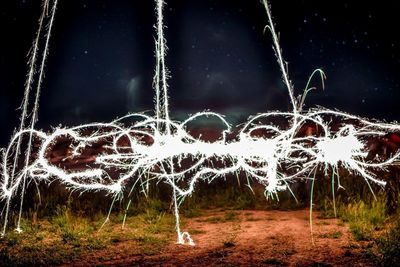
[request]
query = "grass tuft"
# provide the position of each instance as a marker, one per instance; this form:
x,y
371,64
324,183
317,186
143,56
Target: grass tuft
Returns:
x,y
389,246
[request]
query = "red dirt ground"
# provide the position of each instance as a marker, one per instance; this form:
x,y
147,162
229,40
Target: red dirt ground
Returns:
x,y
253,238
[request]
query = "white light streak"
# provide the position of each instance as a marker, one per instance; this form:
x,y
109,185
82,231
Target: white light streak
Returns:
x,y
158,146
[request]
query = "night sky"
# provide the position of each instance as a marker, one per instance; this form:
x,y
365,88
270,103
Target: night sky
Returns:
x,y
101,58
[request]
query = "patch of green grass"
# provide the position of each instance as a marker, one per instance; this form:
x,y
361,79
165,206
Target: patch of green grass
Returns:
x,y
154,229
13,239
245,201
148,240
71,237
192,213
34,254
65,236
364,220
94,244
361,232
214,219
322,223
230,216
351,246
333,235
325,215
336,234
152,216
154,222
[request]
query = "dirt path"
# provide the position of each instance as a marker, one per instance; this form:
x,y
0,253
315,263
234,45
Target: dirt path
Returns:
x,y
247,238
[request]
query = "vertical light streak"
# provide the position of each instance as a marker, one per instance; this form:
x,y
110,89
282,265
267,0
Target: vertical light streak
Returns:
x,y
35,108
278,52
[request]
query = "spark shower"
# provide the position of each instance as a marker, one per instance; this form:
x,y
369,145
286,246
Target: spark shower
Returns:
x,y
156,147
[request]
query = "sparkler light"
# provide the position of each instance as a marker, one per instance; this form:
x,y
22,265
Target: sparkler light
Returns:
x,y
156,147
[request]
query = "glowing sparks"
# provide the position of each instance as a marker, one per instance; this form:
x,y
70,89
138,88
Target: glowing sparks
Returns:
x,y
265,159
157,147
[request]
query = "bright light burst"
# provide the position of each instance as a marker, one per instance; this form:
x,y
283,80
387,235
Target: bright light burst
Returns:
x,y
158,148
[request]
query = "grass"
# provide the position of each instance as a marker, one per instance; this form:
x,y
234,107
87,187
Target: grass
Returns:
x,y
389,246
229,216
65,237
368,222
333,235
322,223
192,213
355,206
64,232
364,219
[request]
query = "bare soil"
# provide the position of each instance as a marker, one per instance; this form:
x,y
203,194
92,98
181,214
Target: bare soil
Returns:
x,y
248,238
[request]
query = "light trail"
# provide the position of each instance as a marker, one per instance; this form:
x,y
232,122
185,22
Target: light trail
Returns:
x,y
158,146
